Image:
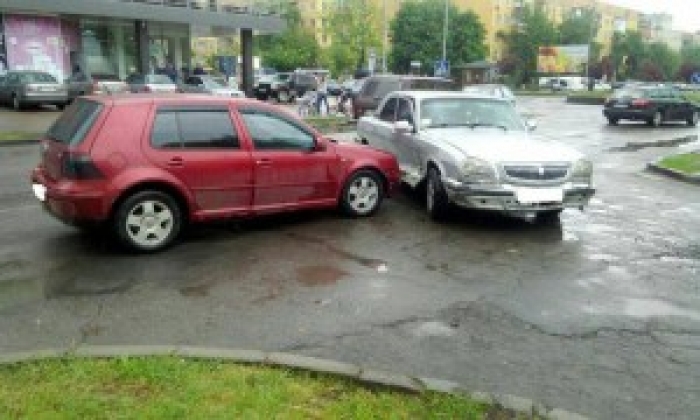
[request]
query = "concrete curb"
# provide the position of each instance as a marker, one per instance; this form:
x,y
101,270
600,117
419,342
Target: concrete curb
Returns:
x,y
585,100
672,173
365,375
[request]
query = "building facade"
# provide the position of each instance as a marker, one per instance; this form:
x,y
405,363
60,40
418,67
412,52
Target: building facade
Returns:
x,y
118,37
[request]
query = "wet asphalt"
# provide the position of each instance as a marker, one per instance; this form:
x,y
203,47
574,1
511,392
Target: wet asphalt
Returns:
x,y
599,314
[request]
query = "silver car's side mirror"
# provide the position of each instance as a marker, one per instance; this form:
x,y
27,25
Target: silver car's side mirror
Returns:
x,y
403,127
531,124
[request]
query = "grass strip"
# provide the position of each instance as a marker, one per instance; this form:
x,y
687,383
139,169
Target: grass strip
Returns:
x,y
687,163
18,135
172,387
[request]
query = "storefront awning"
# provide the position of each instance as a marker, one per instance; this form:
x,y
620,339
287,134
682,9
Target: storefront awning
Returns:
x,y
195,12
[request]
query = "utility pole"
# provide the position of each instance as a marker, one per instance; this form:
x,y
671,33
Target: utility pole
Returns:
x,y
384,38
444,31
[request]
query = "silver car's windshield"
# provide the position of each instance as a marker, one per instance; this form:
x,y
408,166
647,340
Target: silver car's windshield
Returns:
x,y
468,112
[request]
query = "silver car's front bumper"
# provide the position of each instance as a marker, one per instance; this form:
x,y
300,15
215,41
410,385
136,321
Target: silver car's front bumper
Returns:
x,y
505,197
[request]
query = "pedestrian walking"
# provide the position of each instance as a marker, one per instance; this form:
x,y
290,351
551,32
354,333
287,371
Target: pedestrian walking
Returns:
x,y
322,95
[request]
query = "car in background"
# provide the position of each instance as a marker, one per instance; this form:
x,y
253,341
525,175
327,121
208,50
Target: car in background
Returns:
x,y
80,84
262,89
150,83
497,91
652,104
296,86
208,85
146,166
334,88
476,153
376,87
24,87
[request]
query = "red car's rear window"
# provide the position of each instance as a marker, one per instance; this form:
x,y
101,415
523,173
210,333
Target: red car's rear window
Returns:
x,y
75,122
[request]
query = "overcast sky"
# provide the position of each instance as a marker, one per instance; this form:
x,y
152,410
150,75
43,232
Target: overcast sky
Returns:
x,y
686,13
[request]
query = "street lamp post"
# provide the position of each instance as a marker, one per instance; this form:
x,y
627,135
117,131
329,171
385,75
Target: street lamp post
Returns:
x,y
384,37
444,31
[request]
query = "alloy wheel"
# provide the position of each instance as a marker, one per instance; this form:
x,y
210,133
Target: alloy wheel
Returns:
x,y
150,223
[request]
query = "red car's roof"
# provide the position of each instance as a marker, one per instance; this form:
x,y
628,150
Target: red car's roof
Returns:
x,y
167,98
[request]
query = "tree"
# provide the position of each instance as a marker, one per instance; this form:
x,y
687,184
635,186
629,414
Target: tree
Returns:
x,y
293,48
579,27
667,60
417,33
628,51
690,54
534,30
355,28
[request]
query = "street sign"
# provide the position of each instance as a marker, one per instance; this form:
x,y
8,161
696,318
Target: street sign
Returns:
x,y
442,68
695,78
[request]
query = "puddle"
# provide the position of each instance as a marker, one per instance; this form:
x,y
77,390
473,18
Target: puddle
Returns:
x,y
636,146
197,290
319,275
373,263
433,329
648,308
602,257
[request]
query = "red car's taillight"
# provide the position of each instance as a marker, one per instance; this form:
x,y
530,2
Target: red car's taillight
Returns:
x,y
77,165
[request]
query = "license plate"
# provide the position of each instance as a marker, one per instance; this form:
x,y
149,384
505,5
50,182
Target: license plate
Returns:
x,y
620,105
48,89
39,191
539,195
263,90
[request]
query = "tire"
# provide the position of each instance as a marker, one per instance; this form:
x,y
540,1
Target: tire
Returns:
x,y
16,103
613,121
437,203
60,107
694,119
362,194
548,217
147,221
656,120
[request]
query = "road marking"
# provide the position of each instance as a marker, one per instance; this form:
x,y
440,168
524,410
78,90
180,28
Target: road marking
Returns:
x,y
27,206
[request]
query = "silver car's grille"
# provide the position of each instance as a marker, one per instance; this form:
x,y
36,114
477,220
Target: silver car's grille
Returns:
x,y
535,172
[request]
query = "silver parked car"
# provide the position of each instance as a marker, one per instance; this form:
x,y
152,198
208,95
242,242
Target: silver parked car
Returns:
x,y
150,83
497,91
476,152
80,84
209,85
23,88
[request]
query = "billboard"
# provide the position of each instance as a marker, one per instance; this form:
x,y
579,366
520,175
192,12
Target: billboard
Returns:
x,y
35,43
563,59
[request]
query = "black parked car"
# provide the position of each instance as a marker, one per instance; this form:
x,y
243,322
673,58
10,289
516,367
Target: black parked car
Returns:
x,y
375,88
651,103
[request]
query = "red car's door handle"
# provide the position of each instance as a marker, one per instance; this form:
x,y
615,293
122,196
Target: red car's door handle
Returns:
x,y
176,162
263,162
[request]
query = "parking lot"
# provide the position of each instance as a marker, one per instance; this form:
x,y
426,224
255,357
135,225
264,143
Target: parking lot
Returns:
x,y
599,314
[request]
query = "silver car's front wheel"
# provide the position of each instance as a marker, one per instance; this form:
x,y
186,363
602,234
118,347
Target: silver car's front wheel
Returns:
x,y
148,221
437,202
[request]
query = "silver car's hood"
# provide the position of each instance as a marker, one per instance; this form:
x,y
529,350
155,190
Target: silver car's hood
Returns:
x,y
496,145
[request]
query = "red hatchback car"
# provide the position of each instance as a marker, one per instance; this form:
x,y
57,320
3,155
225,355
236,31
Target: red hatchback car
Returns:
x,y
147,165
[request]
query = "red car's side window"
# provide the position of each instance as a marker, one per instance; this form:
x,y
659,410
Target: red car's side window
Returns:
x,y
269,131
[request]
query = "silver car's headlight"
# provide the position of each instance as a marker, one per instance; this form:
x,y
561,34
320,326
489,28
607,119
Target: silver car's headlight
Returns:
x,y
478,171
582,170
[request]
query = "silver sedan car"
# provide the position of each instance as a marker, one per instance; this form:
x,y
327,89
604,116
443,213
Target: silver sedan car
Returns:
x,y
24,88
476,152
